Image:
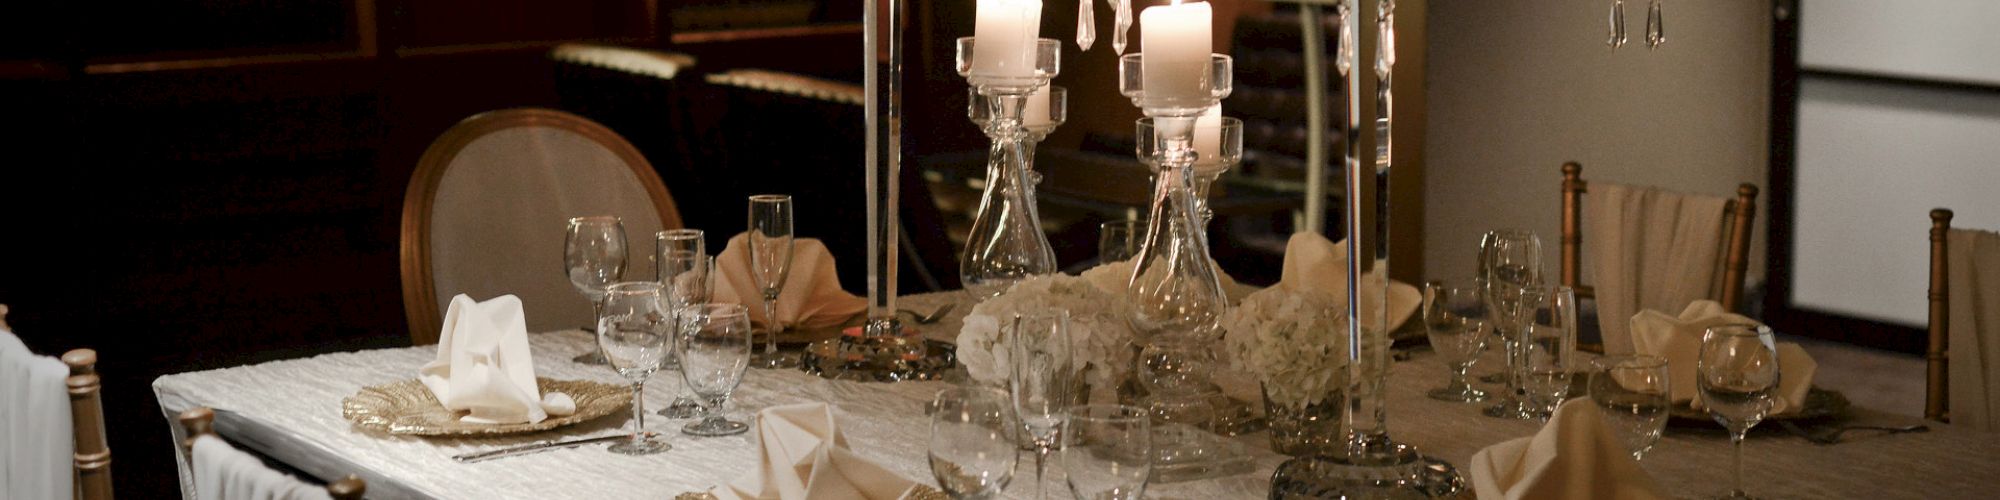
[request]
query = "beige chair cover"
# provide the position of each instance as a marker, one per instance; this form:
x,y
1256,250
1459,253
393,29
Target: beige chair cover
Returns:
x,y
1974,257
1648,248
500,215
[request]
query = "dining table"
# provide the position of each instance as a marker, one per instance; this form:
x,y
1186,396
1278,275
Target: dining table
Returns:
x,y
290,411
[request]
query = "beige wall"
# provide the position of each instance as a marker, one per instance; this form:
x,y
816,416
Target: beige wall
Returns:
x,y
1516,87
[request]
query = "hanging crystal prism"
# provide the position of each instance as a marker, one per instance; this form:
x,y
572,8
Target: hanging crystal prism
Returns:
x,y
1122,20
1086,25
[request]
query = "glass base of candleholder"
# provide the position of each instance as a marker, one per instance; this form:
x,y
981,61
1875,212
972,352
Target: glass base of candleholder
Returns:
x,y
1405,474
904,356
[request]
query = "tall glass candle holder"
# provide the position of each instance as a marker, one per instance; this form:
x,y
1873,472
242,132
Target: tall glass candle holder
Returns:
x,y
1046,109
1006,244
1212,160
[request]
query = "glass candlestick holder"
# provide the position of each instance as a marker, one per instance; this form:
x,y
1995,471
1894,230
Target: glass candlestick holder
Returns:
x,y
1218,151
1053,110
1007,243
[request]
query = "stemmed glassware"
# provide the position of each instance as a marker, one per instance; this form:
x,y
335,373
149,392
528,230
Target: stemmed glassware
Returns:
x,y
1736,373
594,258
972,446
1042,381
1633,392
1458,322
1548,347
1108,453
1119,240
770,262
635,330
1510,260
685,272
715,351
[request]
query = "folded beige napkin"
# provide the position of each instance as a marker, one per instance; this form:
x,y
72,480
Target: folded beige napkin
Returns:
x,y
802,454
811,298
483,365
1678,340
1575,455
1312,263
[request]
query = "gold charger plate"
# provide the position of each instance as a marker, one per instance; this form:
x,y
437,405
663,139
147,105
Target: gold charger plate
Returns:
x,y
1820,403
408,408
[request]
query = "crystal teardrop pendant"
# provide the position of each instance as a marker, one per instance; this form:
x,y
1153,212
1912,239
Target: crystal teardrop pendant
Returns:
x,y
1086,25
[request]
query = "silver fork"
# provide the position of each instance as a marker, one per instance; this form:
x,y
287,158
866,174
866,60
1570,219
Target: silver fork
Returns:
x,y
925,319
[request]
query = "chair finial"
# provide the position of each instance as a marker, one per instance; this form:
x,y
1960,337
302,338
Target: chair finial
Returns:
x,y
1938,216
1572,169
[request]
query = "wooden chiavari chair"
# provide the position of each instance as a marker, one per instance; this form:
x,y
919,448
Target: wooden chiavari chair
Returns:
x,y
86,413
1937,360
1742,213
200,422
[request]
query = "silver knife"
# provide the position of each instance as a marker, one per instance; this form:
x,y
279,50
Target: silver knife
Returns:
x,y
540,447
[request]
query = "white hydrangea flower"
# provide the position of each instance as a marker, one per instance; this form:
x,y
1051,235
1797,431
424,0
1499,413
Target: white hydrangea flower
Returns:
x,y
1097,328
1293,342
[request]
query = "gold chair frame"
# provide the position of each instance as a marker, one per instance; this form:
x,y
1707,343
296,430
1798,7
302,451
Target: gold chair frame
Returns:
x,y
1937,358
200,421
86,412
419,285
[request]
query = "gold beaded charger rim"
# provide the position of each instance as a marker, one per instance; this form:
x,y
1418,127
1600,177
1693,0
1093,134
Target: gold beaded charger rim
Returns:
x,y
408,408
918,492
1820,403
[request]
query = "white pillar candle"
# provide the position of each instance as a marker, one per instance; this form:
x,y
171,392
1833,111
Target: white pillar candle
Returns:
x,y
1208,134
1036,113
1176,40
1004,38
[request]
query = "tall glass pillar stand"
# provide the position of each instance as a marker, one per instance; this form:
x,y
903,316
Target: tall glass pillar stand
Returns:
x,y
1006,243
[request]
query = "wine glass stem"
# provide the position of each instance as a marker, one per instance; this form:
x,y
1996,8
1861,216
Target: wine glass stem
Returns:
x,y
1458,382
1736,440
1041,470
771,316
638,411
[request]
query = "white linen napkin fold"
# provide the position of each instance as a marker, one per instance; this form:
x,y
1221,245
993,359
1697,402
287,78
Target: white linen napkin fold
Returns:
x,y
483,364
35,427
802,455
1678,340
1312,263
221,472
1575,455
812,297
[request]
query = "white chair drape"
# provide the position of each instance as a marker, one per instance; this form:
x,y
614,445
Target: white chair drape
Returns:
x,y
221,472
1648,248
36,441
1974,346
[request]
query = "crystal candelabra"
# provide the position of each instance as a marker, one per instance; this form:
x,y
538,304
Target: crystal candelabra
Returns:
x,y
1007,243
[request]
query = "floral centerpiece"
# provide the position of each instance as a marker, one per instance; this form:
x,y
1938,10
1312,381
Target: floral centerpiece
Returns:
x,y
1295,344
1097,328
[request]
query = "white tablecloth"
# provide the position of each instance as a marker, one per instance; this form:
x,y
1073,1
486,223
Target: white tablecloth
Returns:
x,y
290,410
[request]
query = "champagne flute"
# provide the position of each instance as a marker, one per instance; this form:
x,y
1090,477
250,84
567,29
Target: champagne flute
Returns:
x,y
1548,346
635,330
1633,391
684,271
770,262
972,450
1041,380
715,351
1108,453
1457,320
1736,373
1510,259
593,258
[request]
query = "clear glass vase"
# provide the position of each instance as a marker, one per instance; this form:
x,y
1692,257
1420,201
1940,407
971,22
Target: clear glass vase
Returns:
x,y
1007,243
1301,429
1175,293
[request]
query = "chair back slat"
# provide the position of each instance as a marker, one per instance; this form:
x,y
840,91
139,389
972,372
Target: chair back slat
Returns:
x,y
1936,358
1743,216
1573,188
86,410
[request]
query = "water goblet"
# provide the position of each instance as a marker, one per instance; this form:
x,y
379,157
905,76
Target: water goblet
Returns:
x,y
1108,453
1510,259
1041,380
1633,391
1736,373
770,262
972,446
685,271
715,351
1548,347
1119,240
593,258
635,330
1458,322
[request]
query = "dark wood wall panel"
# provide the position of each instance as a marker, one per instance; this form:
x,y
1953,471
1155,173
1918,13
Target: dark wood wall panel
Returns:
x,y
147,28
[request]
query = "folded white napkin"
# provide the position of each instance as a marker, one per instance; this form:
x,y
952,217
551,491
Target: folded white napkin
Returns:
x,y
35,428
483,364
811,298
803,455
1678,340
222,472
1575,455
1312,263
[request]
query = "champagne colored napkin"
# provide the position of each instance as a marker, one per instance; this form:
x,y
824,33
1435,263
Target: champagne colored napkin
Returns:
x,y
811,298
1575,455
802,455
1312,263
1678,340
483,364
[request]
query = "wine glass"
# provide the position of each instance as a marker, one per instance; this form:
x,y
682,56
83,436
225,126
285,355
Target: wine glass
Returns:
x,y
635,330
1510,259
1108,453
770,262
1457,320
1548,346
684,271
715,351
1041,380
1736,373
1118,240
593,258
1633,392
972,448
